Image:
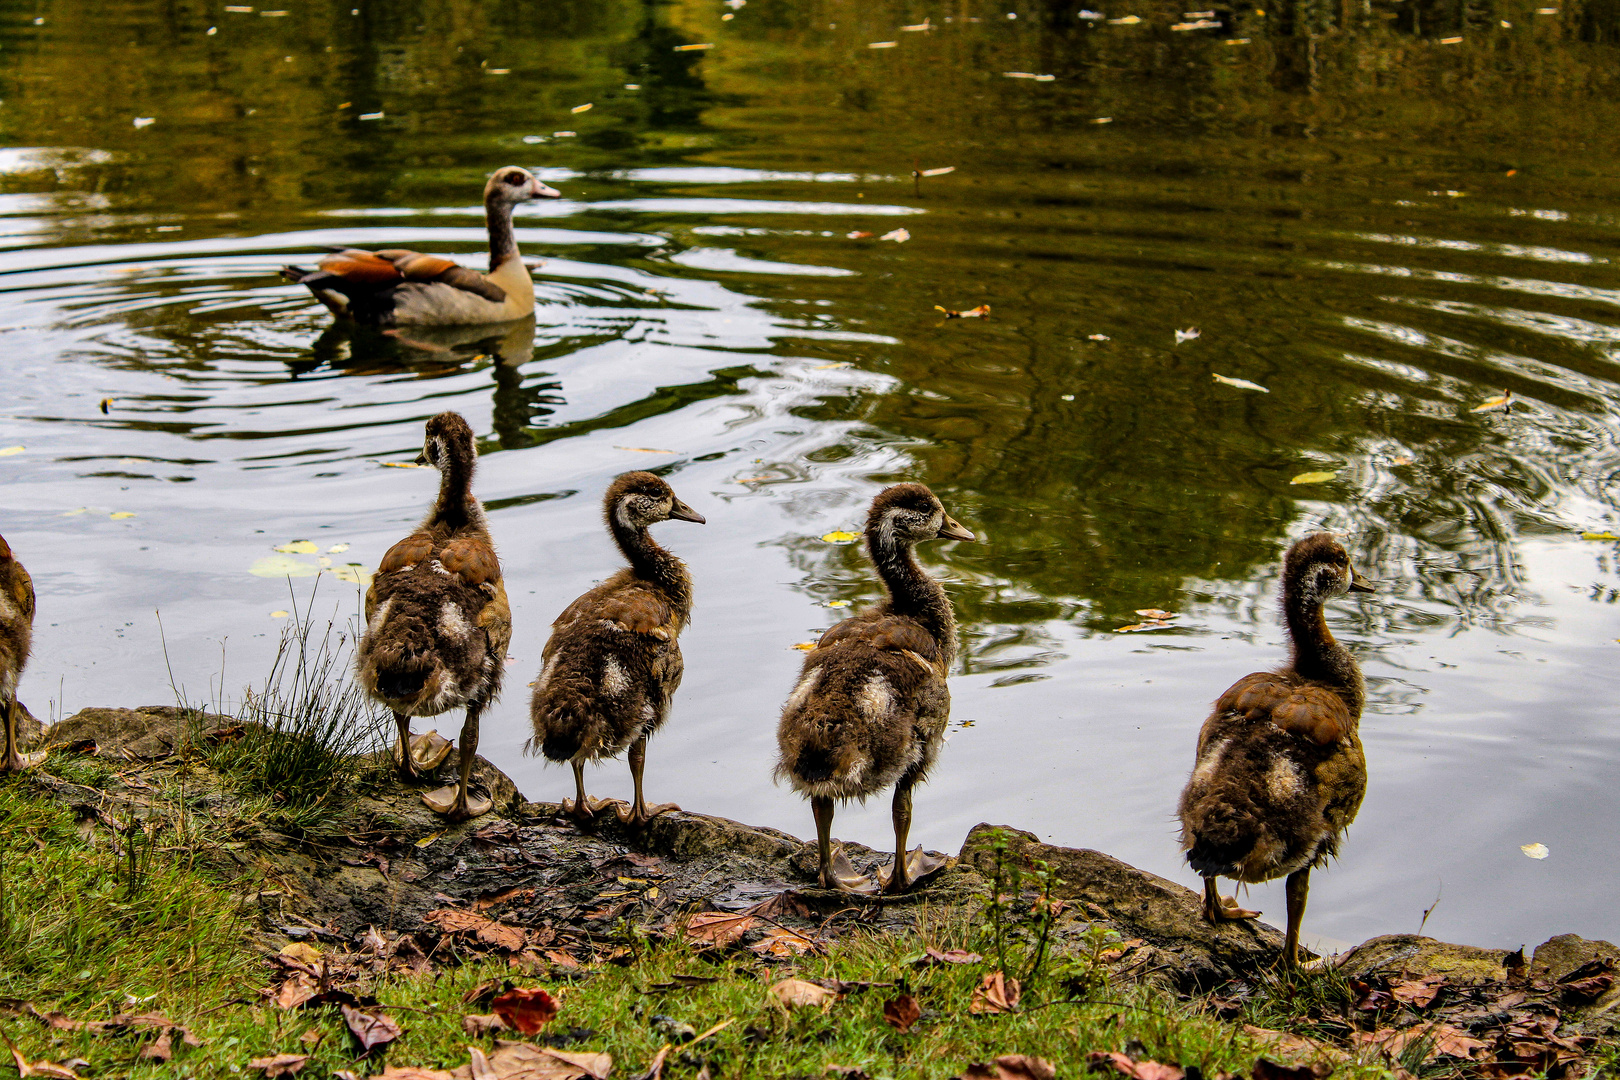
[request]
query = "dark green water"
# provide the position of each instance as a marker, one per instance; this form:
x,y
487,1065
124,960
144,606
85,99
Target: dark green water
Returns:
x,y
1382,227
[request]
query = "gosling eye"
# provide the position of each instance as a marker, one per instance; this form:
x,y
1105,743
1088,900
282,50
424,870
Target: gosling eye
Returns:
x,y
514,179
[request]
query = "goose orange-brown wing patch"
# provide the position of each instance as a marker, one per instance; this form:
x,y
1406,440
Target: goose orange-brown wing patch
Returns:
x,y
361,267
1314,712
407,553
641,612
416,267
1253,696
471,559
900,635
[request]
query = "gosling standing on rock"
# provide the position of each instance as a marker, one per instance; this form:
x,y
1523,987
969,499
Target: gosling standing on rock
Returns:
x,y
871,704
437,620
1280,771
614,662
16,636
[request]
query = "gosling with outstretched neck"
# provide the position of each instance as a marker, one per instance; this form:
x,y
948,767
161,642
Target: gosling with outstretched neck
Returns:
x,y
16,638
613,663
437,620
1280,771
871,704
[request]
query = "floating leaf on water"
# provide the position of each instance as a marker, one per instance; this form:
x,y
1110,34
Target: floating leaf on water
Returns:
x,y
840,536
644,449
1136,628
354,574
1126,20
695,48
1155,614
971,313
839,603
1028,75
324,561
1584,536
499,71
1237,41
1535,851
278,614
378,115
1400,459
76,513
1196,24
1188,334
298,547
1313,477
805,646
283,566
926,24
119,515
899,236
1450,40
1067,397
8,451
144,122
1098,337
882,44
937,172
835,364
859,234
1102,120
402,465
337,549
1241,384
1492,404
587,107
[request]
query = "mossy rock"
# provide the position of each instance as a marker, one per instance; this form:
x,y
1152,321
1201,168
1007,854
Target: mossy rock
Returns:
x,y
1412,955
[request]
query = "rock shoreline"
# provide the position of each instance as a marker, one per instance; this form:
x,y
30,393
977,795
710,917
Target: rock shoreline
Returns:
x,y
525,881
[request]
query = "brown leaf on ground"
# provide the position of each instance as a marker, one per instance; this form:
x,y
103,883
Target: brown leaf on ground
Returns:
x,y
933,956
295,991
488,931
49,1069
1441,1039
1266,1069
489,900
279,1065
718,927
312,1038
655,1068
596,1066
1011,1067
783,904
796,993
783,943
901,1012
526,1008
1125,1065
995,994
562,958
1294,1046
1418,993
477,1025
159,1049
370,1029
401,1072
512,1060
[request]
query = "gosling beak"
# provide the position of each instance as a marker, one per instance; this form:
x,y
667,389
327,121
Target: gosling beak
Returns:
x,y
952,530
1359,583
681,512
545,191
421,459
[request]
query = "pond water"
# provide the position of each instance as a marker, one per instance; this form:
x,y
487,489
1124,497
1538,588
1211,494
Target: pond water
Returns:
x,y
1384,213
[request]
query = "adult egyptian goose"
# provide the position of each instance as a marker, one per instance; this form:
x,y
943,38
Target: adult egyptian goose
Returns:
x,y
871,704
437,620
1280,771
16,637
396,287
614,659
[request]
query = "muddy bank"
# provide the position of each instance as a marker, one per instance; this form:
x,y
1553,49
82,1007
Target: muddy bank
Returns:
x,y
384,873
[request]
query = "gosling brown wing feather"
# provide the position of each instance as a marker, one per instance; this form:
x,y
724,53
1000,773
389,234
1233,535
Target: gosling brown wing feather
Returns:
x,y
407,553
472,559
1306,709
22,592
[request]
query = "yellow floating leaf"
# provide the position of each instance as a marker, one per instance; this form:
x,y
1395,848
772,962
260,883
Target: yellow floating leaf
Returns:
x,y
1535,851
1599,536
832,366
587,107
805,646
8,451
1155,614
980,312
297,547
840,536
76,513
402,465
937,172
1241,384
1136,628
278,614
1492,404
337,549
1313,477
119,515
882,44
324,561
695,48
644,449
354,574
839,603
283,566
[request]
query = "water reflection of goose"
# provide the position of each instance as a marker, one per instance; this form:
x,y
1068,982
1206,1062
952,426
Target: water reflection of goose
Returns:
x,y
345,346
1280,771
396,287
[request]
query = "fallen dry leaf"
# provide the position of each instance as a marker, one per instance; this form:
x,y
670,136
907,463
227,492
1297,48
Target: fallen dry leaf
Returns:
x,y
980,312
370,1029
477,1025
779,941
1293,1045
796,993
1535,851
1417,992
948,956
1266,1069
1505,401
995,994
490,932
597,1066
279,1065
1125,1065
901,1012
526,1008
48,1069
1012,1067
1139,627
718,927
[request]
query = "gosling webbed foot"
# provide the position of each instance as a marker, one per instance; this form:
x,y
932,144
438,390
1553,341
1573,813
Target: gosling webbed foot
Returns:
x,y
916,866
638,817
455,804
1228,911
586,812
427,752
841,874
18,762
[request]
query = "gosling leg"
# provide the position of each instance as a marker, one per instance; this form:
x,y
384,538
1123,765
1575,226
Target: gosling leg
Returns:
x,y
453,803
1299,884
639,813
909,866
1219,909
836,870
407,766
